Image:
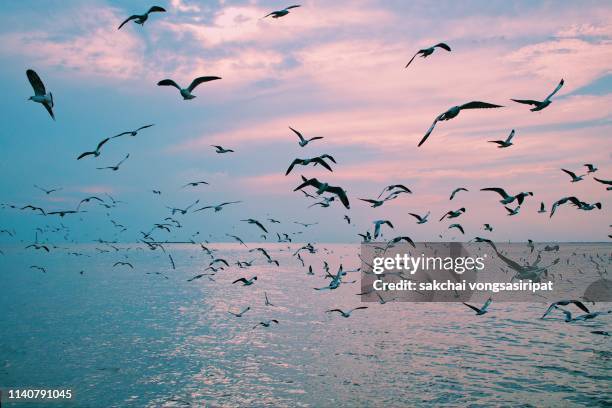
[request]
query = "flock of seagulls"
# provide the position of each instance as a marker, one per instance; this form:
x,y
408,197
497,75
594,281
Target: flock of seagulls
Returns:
x,y
324,191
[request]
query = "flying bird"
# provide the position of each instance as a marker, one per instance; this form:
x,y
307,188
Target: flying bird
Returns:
x,y
348,312
591,168
507,198
194,184
116,167
120,263
246,282
488,227
186,92
542,209
581,205
221,149
239,314
303,142
378,224
453,214
96,152
132,132
315,160
513,211
425,52
47,192
573,175
325,188
504,143
454,111
40,268
482,310
281,13
421,220
539,105
458,226
217,208
455,191
606,182
267,323
40,94
141,18
255,222
554,305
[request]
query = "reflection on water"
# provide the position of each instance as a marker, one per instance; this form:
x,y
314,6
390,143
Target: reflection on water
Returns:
x,y
121,337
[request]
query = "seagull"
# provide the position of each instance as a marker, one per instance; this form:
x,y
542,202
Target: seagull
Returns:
x,y
347,218
591,168
194,184
399,188
268,303
348,312
220,149
303,142
539,105
237,238
217,208
38,247
62,213
123,264
96,152
267,323
513,211
488,227
453,214
565,303
316,160
376,203
40,268
255,222
33,208
183,211
506,198
421,220
240,313
576,202
607,182
542,209
141,18
584,317
132,132
455,191
323,188
378,224
504,143
482,310
116,167
425,52
458,226
186,92
246,282
601,332
454,111
47,192
40,94
573,175
281,13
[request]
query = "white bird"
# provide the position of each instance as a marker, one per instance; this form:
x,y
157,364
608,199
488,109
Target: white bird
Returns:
x,y
378,224
425,52
186,92
454,111
141,18
348,312
219,207
281,13
239,314
539,105
303,142
40,94
573,175
504,143
482,310
421,220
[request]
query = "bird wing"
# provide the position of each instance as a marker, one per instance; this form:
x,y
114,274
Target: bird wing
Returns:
x,y
510,136
443,45
359,308
431,128
260,226
526,101
418,217
510,210
341,195
132,17
200,80
479,105
124,159
412,59
144,127
327,156
102,143
156,8
49,109
297,133
315,138
571,174
308,182
168,82
84,155
498,190
556,89
335,310
486,304
293,163
474,308
122,134
294,6
608,182
35,81
322,163
575,201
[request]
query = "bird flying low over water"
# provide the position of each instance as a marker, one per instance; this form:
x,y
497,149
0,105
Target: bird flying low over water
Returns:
x,y
316,160
186,92
325,188
132,132
425,52
482,310
281,13
454,111
141,18
554,305
504,143
96,152
40,94
507,198
581,205
221,149
239,314
573,175
539,105
303,142
267,323
584,317
348,312
246,282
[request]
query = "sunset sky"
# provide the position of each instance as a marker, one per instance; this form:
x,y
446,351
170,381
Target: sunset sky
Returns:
x,y
331,69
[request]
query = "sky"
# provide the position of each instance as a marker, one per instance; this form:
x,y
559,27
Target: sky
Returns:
x,y
331,69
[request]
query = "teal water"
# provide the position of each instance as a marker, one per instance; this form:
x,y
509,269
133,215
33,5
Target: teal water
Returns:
x,y
123,338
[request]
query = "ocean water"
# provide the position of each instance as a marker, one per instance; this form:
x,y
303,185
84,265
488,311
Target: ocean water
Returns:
x,y
119,337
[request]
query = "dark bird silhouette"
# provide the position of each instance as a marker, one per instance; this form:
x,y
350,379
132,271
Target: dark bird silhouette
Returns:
x,y
281,13
40,94
142,18
96,152
132,132
303,142
323,188
316,160
116,167
425,52
539,105
186,92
